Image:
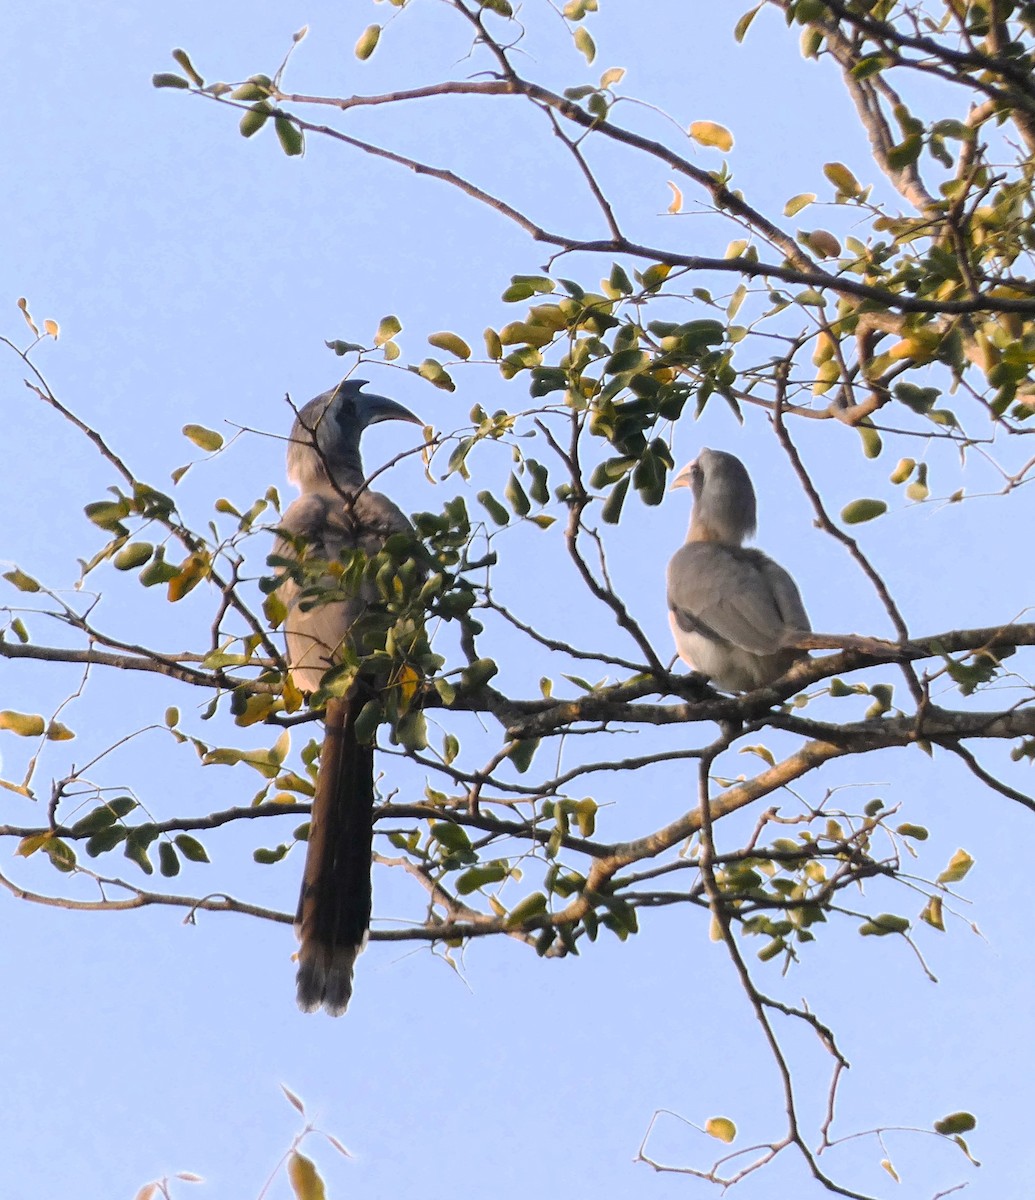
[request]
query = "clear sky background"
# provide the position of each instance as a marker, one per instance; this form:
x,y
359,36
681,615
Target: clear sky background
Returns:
x,y
195,277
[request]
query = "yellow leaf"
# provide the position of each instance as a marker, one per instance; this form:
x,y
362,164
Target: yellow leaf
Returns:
x,y
585,44
207,439
23,304
23,724
191,573
710,133
842,178
959,865
52,328
797,203
387,329
305,1180
721,1128
407,680
677,198
29,845
452,343
293,698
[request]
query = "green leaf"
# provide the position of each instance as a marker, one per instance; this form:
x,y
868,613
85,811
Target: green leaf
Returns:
x,y
526,909
862,510
168,860
842,178
411,731
387,329
906,152
339,347
166,79
871,440
585,44
105,840
611,513
23,582
266,857
250,91
132,555
515,496
478,877
433,371
291,139
451,837
367,43
478,673
207,439
957,1122
183,59
917,832
254,119
493,507
883,925
191,848
522,753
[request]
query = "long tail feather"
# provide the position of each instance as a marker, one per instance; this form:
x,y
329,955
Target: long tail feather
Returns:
x,y
335,900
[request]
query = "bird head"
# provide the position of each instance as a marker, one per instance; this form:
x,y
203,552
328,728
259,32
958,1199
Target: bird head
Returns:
x,y
324,442
724,500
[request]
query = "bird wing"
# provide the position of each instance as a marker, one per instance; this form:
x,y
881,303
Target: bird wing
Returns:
x,y
731,594
330,527
334,902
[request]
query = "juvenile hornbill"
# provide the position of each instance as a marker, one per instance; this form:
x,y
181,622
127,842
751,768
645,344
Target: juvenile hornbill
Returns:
x,y
731,608
335,515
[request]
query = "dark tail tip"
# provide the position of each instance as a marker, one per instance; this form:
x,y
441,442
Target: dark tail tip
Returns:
x,y
325,978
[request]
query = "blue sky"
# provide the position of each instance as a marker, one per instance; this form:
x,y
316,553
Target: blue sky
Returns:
x,y
195,277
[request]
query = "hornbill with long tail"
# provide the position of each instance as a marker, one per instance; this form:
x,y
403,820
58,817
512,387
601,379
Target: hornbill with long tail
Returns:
x,y
335,516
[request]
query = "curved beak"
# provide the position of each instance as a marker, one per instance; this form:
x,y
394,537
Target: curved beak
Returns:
x,y
685,478
373,408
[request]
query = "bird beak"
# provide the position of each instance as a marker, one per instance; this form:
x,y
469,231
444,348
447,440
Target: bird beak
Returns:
x,y
379,408
684,478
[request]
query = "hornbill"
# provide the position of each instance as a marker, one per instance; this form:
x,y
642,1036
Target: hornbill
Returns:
x,y
731,608
336,515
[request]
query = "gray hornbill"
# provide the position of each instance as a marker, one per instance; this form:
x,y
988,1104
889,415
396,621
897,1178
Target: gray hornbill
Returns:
x,y
335,515
732,609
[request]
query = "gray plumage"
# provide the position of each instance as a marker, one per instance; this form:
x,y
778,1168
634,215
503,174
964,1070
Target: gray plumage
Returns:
x,y
731,608
335,515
